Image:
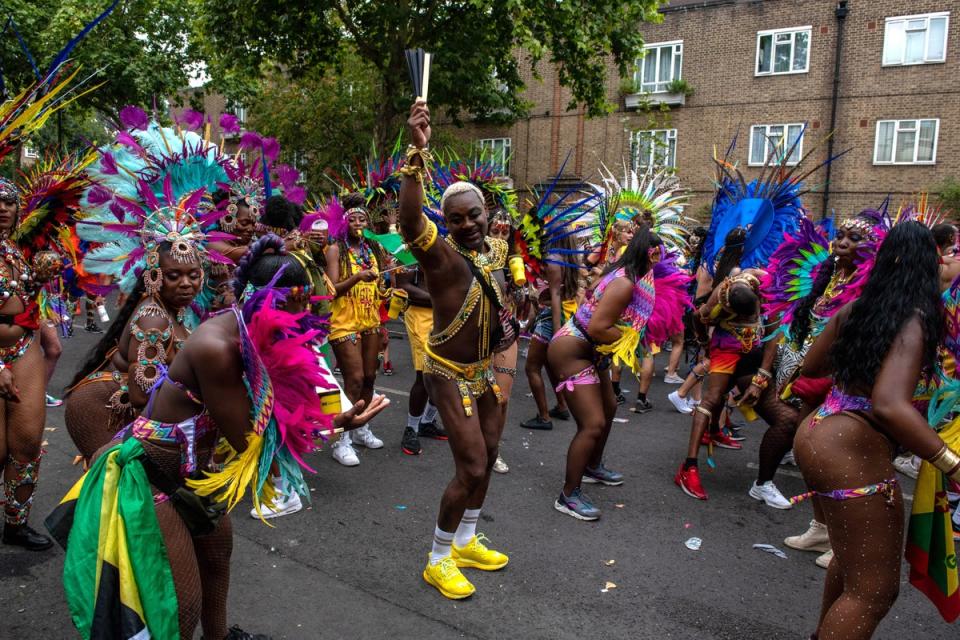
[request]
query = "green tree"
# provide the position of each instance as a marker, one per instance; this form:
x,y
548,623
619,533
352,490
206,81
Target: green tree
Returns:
x,y
478,46
141,52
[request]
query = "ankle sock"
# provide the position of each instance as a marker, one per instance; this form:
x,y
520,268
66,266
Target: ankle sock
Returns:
x,y
413,422
616,388
690,462
429,413
467,528
441,545
641,397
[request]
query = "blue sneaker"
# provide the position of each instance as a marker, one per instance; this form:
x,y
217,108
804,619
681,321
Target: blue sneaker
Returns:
x,y
600,474
577,505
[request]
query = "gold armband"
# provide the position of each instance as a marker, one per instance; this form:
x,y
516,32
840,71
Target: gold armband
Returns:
x,y
427,237
414,171
947,461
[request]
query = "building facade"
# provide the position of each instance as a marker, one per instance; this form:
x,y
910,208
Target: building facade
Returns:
x,y
765,72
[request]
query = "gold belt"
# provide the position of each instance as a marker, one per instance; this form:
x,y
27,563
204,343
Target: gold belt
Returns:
x,y
471,379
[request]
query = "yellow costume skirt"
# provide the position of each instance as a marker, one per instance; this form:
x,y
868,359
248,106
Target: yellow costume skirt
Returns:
x,y
355,314
419,323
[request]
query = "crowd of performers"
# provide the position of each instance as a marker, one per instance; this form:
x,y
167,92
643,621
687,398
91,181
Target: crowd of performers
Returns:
x,y
240,303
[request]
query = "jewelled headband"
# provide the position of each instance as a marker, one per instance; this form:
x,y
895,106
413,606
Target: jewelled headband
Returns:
x,y
861,225
354,210
8,191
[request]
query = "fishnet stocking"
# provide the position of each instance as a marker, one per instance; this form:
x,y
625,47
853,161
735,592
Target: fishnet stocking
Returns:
x,y
90,421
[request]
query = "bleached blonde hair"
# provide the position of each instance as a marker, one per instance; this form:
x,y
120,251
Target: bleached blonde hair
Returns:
x,y
461,186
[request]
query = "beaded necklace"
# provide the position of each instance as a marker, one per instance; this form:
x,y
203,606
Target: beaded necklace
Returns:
x,y
11,285
362,255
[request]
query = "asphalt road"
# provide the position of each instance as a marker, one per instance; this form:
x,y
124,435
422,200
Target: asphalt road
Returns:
x,y
349,566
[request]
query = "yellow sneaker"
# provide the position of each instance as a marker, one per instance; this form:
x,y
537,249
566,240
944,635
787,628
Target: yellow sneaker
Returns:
x,y
448,580
476,555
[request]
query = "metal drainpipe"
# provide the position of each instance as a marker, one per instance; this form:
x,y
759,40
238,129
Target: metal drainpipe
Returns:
x,y
841,13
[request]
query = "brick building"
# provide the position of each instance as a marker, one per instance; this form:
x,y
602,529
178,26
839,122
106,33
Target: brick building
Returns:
x,y
766,67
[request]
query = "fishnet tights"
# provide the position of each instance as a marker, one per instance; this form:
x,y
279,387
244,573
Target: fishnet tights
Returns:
x,y
90,421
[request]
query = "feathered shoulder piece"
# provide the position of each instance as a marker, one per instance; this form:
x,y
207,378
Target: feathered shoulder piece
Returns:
x,y
51,193
556,215
768,207
282,375
792,270
672,299
654,197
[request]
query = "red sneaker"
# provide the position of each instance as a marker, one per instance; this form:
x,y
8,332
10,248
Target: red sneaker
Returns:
x,y
722,440
689,481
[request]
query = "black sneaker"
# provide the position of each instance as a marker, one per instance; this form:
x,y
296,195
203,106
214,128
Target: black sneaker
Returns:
x,y
432,430
24,536
93,327
410,442
559,414
642,406
236,633
620,399
536,423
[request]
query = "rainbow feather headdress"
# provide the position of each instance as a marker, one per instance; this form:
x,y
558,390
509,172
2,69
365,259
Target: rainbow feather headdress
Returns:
x,y
768,207
554,216
655,193
483,171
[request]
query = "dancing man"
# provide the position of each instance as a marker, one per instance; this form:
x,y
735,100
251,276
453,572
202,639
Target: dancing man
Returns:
x,y
468,303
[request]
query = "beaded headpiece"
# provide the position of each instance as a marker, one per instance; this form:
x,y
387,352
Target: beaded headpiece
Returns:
x,y
8,191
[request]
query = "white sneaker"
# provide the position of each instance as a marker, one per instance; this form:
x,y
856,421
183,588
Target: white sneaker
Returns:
x,y
788,458
673,379
344,454
770,495
364,437
908,465
680,404
282,505
500,466
813,539
823,560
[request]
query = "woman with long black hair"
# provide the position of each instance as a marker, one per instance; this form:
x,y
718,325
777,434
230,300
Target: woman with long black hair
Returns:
x,y
876,348
620,306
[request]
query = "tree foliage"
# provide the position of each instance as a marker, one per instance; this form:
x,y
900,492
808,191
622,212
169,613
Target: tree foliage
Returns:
x,y
479,47
141,52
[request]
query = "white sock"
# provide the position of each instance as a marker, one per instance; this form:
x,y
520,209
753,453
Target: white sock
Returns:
x,y
429,413
345,438
467,528
413,422
441,545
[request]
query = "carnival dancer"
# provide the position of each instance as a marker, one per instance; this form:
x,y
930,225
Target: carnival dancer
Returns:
x,y
248,376
470,323
418,320
354,264
877,349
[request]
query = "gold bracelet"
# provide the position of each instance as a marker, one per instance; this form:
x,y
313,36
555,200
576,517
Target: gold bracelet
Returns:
x,y
414,171
427,237
425,156
763,372
947,461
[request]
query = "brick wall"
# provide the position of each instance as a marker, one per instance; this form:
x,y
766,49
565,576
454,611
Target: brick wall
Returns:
x,y
719,53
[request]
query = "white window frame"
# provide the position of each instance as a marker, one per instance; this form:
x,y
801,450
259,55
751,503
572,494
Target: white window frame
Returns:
x,y
505,153
773,33
768,158
30,152
897,129
926,39
650,161
676,70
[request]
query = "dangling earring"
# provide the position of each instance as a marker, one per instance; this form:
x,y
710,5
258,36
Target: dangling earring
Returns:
x,y
152,275
229,222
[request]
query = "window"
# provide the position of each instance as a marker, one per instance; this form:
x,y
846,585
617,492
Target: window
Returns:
x,y
653,148
497,149
783,51
919,39
660,65
768,146
906,141
30,152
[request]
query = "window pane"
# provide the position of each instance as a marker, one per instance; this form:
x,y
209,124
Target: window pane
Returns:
x,y
678,62
671,160
914,51
666,61
649,69
936,39
928,131
763,62
781,58
800,50
775,151
757,145
645,149
793,134
894,43
885,142
905,144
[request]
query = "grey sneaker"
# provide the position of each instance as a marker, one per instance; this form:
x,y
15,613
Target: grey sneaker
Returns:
x,y
600,474
577,506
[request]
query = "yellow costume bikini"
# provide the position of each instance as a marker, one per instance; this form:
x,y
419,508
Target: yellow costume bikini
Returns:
x,y
356,312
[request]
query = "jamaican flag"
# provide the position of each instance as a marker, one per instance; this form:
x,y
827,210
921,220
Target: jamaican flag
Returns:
x,y
116,575
930,547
